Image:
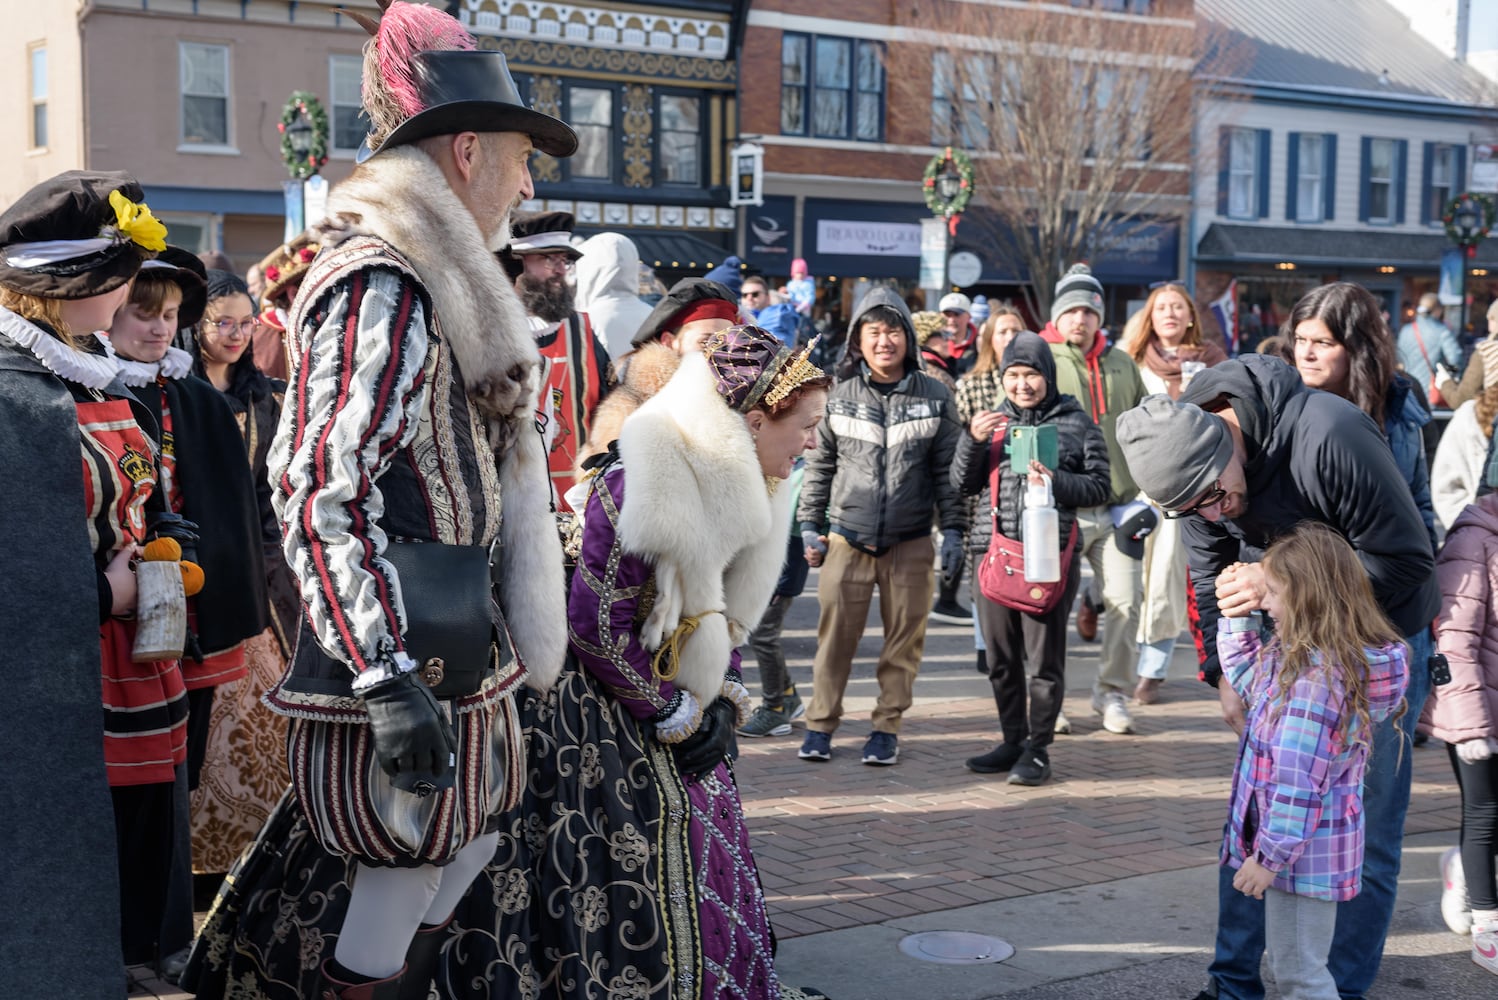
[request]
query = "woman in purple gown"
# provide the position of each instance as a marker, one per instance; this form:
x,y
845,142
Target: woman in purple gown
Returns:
x,y
627,870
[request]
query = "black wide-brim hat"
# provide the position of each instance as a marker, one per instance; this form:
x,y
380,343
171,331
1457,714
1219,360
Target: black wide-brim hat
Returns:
x,y
71,206
189,274
685,293
472,91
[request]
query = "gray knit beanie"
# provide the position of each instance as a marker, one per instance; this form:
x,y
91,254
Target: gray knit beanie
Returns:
x,y
1077,288
1175,451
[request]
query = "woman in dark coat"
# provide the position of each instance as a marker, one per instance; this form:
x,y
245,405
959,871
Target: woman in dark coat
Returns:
x,y
1080,479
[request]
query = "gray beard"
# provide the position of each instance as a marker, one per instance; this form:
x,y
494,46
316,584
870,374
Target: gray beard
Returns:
x,y
500,237
550,303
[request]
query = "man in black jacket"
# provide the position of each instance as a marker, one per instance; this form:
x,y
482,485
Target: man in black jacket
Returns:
x,y
1251,451
880,472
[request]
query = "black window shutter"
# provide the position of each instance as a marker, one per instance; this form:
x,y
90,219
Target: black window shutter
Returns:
x,y
1401,169
1224,152
1427,174
1329,176
1263,173
1292,177
1364,194
1458,172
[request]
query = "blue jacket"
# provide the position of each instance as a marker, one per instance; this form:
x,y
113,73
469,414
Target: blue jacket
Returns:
x,y
1440,345
1405,417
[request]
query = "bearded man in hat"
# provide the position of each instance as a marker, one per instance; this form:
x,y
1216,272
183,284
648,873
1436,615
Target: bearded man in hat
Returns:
x,y
575,361
409,420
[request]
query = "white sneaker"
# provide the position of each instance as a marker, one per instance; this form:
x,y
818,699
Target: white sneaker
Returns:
x,y
1454,909
1485,950
1063,724
1115,712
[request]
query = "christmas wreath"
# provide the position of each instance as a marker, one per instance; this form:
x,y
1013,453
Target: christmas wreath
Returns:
x,y
304,104
935,168
1448,217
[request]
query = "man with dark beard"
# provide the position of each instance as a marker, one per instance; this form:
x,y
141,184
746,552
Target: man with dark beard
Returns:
x,y
574,361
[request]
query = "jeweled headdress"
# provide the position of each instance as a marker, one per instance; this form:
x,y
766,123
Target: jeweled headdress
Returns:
x,y
753,368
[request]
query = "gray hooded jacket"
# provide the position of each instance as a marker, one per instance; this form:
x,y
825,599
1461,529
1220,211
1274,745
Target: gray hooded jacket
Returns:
x,y
881,468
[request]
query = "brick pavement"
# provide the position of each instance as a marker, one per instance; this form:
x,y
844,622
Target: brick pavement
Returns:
x,y
842,844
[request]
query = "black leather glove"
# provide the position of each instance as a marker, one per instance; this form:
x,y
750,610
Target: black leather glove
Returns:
x,y
712,743
412,737
163,524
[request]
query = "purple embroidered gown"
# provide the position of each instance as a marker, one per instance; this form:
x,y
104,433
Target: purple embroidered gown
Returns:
x,y
616,878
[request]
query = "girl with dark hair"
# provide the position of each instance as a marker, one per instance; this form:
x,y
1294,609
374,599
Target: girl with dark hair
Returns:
x,y
243,771
1338,341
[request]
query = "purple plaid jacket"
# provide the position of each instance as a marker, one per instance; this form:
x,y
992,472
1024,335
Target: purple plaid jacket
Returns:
x,y
1297,800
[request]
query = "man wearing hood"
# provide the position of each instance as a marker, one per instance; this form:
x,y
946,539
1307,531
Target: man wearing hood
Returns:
x,y
608,286
1251,451
879,475
1106,382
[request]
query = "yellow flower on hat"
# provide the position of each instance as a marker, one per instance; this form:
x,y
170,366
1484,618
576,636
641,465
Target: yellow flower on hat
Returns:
x,y
136,221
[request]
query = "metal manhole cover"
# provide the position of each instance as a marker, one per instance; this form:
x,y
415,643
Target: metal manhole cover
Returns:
x,y
956,948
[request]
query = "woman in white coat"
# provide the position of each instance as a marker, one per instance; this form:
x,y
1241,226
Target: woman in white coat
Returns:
x,y
1456,471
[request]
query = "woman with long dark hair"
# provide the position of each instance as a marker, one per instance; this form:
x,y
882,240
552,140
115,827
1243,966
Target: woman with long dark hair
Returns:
x,y
1338,341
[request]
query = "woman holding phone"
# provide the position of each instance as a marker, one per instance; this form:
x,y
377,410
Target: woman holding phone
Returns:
x,y
1079,479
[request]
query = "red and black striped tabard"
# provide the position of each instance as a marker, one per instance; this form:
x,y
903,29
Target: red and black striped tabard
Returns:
x,y
576,367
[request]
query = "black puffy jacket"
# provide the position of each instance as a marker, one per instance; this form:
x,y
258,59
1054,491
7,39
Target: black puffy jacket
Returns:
x,y
1312,456
1081,478
881,466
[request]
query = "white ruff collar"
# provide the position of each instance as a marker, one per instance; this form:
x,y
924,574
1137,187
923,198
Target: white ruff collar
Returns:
x,y
176,364
542,328
92,371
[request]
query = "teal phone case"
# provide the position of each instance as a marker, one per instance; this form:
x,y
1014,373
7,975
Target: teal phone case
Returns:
x,y
1032,442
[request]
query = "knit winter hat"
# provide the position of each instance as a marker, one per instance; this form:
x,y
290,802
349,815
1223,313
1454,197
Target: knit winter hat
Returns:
x,y
1077,288
1175,451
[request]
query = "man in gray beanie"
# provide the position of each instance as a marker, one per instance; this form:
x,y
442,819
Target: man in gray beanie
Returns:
x,y
1106,382
1247,453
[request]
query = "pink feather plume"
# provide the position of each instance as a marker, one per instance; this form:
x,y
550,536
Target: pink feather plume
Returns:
x,y
406,29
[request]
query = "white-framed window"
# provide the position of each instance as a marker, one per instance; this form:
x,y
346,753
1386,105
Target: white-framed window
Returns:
x,y
38,63
346,119
593,121
1310,166
961,100
204,82
1442,179
1243,173
1381,155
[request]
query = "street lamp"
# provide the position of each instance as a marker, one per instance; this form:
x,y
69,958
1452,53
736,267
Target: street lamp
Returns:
x,y
299,134
949,182
1467,222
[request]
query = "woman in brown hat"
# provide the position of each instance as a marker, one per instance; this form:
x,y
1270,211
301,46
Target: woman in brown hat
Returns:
x,y
83,457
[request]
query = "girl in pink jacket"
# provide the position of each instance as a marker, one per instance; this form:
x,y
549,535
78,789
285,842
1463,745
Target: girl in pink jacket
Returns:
x,y
1464,713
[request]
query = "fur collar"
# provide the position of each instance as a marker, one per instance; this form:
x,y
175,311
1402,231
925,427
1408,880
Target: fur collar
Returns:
x,y
92,371
402,197
697,508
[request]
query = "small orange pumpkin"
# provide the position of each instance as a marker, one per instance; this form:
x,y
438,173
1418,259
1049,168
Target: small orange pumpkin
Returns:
x,y
192,577
162,550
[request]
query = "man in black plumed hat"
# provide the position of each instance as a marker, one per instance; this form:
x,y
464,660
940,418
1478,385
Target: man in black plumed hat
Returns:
x,y
409,423
574,358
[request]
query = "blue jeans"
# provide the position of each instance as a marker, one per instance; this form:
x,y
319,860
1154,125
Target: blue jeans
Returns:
x,y
1363,921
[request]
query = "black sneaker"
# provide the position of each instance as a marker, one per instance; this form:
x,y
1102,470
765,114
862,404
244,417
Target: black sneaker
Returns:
x,y
766,721
982,663
951,613
998,760
1033,768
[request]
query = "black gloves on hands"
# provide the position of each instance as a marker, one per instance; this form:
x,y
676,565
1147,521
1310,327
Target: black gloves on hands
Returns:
x,y
164,524
413,740
951,555
712,743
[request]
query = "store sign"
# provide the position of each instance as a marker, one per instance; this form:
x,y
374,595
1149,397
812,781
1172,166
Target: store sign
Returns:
x,y
770,237
869,239
748,174
934,238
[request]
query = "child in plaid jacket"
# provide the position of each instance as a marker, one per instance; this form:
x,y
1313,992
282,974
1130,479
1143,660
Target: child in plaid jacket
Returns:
x,y
1332,669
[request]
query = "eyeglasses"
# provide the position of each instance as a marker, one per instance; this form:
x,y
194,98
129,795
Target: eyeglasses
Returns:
x,y
555,261
226,327
1213,496
752,295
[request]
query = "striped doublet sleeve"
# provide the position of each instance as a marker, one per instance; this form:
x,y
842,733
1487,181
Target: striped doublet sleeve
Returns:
x,y
351,404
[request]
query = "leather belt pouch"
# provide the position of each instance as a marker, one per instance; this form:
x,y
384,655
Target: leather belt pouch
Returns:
x,y
451,625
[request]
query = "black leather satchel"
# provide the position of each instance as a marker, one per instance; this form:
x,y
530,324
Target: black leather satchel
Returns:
x,y
452,625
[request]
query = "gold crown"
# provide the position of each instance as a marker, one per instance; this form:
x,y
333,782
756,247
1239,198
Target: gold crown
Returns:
x,y
795,373
135,465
